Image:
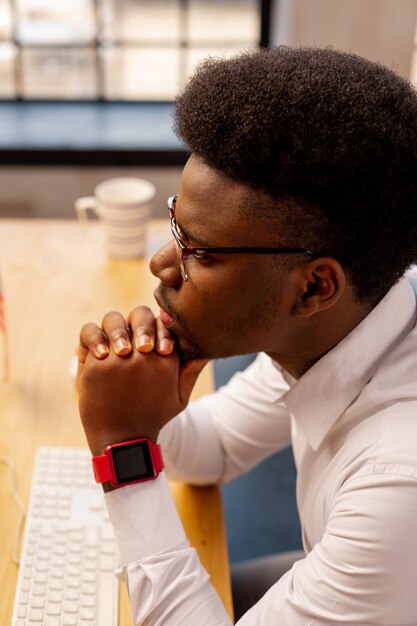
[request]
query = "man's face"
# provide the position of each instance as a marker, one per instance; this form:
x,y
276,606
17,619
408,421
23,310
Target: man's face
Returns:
x,y
231,303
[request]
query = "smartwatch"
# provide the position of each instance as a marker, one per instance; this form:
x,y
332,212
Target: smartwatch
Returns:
x,y
128,462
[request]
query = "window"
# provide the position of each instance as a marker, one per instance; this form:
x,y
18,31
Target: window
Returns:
x,y
117,49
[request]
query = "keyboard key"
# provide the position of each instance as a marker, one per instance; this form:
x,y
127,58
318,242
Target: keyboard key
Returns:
x,y
43,555
24,598
88,589
35,615
70,607
71,594
73,570
91,553
41,578
88,601
53,609
38,590
56,584
71,581
41,566
89,577
37,602
86,613
91,537
59,550
73,559
54,596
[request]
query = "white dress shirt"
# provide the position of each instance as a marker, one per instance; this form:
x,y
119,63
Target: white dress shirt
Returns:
x,y
352,422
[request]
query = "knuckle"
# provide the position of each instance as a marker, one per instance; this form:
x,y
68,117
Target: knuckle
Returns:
x,y
142,308
141,315
144,329
116,333
113,317
90,332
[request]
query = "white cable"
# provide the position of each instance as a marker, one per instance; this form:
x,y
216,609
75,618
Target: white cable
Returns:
x,y
18,502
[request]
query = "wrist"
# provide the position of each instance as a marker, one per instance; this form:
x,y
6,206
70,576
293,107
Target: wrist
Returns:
x,y
108,487
99,446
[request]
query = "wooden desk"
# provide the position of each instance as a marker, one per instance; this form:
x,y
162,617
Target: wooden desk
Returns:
x,y
56,276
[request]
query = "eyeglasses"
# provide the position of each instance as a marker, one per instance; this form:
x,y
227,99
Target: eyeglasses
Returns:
x,y
198,252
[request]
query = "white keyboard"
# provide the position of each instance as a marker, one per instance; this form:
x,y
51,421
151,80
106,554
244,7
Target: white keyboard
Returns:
x,y
66,575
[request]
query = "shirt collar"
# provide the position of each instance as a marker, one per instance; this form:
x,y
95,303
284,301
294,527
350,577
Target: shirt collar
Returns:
x,y
327,389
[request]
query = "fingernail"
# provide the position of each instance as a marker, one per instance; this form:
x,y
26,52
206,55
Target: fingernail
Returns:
x,y
101,350
164,346
121,345
144,343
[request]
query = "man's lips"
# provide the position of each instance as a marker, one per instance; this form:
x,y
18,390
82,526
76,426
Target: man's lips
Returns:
x,y
166,318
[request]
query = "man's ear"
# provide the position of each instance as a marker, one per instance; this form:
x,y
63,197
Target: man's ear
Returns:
x,y
321,284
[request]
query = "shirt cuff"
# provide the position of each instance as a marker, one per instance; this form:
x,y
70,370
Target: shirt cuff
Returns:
x,y
144,519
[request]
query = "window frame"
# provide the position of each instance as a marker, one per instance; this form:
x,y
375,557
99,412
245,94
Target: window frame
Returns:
x,y
96,45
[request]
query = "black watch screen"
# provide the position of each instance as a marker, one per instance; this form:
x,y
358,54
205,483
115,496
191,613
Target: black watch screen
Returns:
x,y
133,461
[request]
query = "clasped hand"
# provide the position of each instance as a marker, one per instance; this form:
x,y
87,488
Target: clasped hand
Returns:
x,y
131,381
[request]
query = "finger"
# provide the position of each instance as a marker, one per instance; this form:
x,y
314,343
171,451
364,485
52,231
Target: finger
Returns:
x,y
116,328
189,372
165,342
92,339
143,324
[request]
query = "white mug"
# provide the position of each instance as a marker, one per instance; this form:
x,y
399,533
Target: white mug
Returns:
x,y
124,206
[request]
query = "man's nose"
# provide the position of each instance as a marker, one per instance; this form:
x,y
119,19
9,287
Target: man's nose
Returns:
x,y
165,265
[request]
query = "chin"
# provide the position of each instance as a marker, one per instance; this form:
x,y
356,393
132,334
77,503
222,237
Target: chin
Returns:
x,y
191,352
188,351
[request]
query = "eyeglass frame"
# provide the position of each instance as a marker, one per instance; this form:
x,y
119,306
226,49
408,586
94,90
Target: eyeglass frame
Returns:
x,y
198,252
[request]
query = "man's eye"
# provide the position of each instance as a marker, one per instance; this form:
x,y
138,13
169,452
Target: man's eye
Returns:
x,y
200,254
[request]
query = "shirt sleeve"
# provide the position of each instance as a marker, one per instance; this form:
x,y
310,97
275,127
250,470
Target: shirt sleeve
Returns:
x,y
165,579
228,432
362,572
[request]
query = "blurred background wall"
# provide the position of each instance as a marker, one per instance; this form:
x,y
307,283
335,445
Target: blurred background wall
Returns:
x,y
381,30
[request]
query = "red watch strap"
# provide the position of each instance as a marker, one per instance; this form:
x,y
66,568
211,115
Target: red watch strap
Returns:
x,y
157,458
102,469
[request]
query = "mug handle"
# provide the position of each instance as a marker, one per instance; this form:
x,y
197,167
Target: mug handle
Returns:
x,y
83,206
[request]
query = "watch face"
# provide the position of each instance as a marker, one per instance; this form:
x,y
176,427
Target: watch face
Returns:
x,y
132,461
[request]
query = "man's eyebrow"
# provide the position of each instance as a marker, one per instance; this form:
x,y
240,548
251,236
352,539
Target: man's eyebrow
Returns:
x,y
190,237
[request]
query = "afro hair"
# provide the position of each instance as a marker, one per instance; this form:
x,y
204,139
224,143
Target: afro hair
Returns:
x,y
320,129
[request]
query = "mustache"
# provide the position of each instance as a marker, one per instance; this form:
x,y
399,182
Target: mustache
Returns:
x,y
162,300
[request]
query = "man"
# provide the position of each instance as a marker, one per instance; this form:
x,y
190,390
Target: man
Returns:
x,y
293,226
